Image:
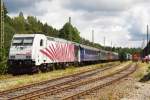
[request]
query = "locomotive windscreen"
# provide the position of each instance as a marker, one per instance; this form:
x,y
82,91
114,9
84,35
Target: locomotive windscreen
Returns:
x,y
22,41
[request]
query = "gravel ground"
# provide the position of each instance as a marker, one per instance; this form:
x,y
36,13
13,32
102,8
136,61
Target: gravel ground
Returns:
x,y
126,89
141,92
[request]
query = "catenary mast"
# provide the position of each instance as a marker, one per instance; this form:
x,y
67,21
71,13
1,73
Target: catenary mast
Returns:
x,y
2,31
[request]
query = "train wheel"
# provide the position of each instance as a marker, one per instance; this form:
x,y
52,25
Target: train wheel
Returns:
x,y
37,69
63,66
53,67
49,67
58,66
76,64
43,68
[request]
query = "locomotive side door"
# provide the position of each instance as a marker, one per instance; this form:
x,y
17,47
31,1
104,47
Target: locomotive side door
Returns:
x,y
40,45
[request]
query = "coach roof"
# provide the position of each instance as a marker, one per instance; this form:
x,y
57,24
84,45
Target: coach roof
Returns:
x,y
88,47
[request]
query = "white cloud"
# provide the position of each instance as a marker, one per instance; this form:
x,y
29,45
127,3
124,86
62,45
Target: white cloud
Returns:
x,y
121,21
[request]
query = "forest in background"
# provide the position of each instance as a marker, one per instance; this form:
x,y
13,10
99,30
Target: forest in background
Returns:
x,y
29,25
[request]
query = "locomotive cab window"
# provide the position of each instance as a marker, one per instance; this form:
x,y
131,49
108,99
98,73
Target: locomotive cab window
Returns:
x,y
28,41
22,41
41,42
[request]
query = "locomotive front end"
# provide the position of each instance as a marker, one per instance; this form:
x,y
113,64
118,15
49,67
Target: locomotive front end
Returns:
x,y
20,54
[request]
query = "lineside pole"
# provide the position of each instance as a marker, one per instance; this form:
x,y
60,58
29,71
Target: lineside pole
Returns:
x,y
93,36
147,44
104,42
70,34
2,54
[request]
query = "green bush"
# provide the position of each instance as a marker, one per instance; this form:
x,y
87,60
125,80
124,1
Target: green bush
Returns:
x,y
3,67
148,69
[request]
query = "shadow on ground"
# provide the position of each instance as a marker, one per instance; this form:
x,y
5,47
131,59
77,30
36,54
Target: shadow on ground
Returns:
x,y
145,78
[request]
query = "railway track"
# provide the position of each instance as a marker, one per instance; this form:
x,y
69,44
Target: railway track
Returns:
x,y
108,80
79,88
32,89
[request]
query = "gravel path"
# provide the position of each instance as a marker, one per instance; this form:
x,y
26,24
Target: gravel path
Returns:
x,y
126,89
141,91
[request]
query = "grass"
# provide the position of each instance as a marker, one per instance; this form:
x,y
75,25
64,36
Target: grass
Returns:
x,y
141,71
146,74
3,67
9,81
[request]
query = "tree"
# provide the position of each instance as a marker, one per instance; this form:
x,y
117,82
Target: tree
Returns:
x,y
70,33
63,33
75,35
19,23
46,29
33,25
122,56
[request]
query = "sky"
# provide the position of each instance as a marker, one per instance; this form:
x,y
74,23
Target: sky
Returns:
x,y
121,22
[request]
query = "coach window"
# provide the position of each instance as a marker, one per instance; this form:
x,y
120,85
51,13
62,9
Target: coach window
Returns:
x,y
41,42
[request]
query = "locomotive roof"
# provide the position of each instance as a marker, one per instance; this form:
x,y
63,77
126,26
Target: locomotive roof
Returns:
x,y
66,41
58,39
24,35
27,35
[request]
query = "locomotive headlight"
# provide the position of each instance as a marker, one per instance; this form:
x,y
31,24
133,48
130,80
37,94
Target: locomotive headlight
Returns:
x,y
28,57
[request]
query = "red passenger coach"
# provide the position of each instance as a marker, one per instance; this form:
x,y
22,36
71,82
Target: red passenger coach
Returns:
x,y
110,56
136,56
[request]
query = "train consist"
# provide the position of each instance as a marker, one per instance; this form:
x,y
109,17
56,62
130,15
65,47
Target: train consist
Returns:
x,y
34,52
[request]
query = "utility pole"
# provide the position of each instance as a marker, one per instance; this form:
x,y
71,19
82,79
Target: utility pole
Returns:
x,y
104,41
147,43
2,32
70,20
93,36
70,36
111,46
111,43
147,35
143,44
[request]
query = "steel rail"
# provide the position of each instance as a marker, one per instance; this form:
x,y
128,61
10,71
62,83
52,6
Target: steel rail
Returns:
x,y
88,91
56,89
44,82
